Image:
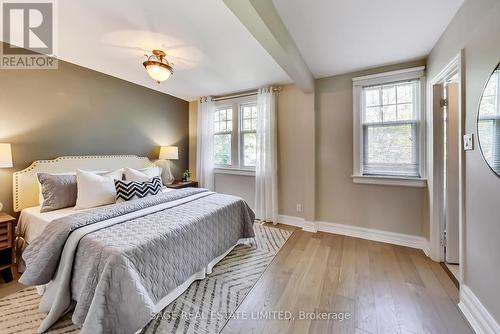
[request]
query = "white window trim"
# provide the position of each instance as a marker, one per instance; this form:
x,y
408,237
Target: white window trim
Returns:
x,y
234,171
380,79
236,167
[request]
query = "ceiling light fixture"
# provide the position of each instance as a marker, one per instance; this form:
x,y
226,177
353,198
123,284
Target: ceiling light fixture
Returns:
x,y
158,68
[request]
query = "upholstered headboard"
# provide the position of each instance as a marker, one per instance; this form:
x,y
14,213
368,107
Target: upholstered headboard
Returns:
x,y
25,184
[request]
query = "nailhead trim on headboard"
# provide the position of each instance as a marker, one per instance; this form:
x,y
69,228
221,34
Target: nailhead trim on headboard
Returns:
x,y
59,159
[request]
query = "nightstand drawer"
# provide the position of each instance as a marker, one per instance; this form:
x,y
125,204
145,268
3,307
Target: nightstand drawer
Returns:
x,y
5,235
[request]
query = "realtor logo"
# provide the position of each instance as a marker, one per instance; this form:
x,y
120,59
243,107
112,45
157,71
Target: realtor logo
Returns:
x,y
28,35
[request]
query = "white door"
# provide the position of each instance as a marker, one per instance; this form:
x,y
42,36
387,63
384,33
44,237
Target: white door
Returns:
x,y
452,175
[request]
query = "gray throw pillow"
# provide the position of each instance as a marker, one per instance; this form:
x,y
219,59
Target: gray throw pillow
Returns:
x,y
59,191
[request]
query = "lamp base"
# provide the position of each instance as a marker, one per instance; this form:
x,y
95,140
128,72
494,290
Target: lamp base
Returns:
x,y
1,206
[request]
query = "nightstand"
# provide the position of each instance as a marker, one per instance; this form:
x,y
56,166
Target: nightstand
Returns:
x,y
7,238
179,184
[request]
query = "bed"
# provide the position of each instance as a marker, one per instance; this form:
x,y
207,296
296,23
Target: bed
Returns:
x,y
116,266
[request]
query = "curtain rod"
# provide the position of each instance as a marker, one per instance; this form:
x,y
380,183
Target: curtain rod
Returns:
x,y
242,94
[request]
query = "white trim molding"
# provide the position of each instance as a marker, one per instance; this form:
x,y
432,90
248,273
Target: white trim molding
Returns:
x,y
298,222
359,83
474,311
357,232
390,180
434,162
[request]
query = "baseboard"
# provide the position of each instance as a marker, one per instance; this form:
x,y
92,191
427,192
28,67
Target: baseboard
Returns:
x,y
474,311
358,232
298,222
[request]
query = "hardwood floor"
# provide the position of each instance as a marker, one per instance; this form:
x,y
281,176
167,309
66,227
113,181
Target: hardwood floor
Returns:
x,y
385,289
382,288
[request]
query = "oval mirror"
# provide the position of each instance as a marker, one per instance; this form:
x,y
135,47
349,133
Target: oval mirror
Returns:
x,y
488,122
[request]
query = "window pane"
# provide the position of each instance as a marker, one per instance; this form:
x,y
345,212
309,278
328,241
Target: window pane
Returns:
x,y
247,124
229,114
222,149
405,93
390,144
372,97
217,127
254,111
250,149
247,112
405,112
389,95
389,113
372,115
217,116
254,124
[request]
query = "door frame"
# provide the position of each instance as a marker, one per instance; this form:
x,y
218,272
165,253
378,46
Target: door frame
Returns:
x,y
436,201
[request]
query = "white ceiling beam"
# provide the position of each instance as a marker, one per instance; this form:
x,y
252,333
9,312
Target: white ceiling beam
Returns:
x,y
263,22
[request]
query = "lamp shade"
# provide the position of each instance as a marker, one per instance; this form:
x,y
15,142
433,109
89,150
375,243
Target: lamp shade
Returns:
x,y
158,72
5,156
169,153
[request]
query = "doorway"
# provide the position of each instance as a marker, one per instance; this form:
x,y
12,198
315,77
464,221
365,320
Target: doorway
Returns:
x,y
447,168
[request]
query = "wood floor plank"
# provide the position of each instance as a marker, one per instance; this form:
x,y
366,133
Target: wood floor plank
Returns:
x,y
448,313
406,308
387,321
347,279
447,284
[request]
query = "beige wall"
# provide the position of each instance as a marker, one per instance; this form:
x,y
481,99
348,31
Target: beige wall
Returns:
x,y
77,111
296,152
338,199
476,29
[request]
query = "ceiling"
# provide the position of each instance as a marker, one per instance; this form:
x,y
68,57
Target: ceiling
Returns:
x,y
341,36
212,51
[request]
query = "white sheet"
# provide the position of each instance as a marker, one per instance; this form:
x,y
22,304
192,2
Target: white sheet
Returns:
x,y
33,222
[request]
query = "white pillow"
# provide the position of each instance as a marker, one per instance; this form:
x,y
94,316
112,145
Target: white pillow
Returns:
x,y
142,175
96,190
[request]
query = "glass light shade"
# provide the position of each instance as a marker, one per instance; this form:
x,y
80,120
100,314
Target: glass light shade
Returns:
x,y
157,72
5,156
169,153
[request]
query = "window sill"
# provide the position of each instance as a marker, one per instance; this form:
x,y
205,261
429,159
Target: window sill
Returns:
x,y
234,171
390,181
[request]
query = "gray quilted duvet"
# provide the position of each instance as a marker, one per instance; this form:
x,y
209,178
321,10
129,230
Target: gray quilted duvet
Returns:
x,y
120,272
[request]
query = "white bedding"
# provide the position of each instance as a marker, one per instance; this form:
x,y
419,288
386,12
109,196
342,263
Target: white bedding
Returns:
x,y
32,222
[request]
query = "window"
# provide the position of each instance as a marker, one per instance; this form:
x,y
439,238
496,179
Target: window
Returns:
x,y
223,128
390,129
235,134
249,134
387,125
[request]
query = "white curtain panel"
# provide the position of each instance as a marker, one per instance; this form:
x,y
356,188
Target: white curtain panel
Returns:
x,y
266,181
204,153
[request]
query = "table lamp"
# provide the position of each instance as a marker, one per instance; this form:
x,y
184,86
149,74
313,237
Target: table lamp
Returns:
x,y
169,153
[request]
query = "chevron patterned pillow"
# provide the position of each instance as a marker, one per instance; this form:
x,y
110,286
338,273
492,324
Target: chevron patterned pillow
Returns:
x,y
127,190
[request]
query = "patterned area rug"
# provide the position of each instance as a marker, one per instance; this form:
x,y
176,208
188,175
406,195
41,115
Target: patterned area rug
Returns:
x,y
204,308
